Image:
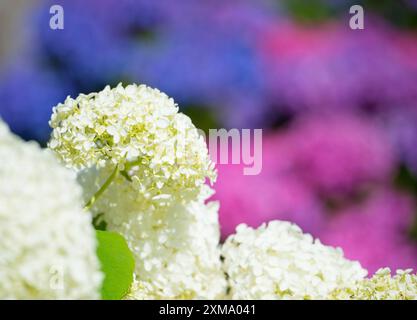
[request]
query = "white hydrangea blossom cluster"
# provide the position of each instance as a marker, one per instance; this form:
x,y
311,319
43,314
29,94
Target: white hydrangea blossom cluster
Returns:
x,y
278,261
402,286
138,130
176,247
48,246
157,163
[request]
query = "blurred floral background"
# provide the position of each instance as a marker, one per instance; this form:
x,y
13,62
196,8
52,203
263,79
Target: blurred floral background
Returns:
x,y
338,106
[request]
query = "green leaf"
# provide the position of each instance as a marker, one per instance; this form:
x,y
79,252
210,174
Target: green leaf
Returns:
x,y
117,264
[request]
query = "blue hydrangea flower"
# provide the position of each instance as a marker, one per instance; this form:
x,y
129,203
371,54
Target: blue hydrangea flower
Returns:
x,y
27,95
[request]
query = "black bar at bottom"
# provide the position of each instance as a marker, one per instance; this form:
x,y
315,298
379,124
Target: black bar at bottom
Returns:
x,y
210,309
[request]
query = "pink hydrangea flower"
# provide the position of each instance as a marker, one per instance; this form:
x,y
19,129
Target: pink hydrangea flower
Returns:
x,y
273,194
318,157
376,232
339,154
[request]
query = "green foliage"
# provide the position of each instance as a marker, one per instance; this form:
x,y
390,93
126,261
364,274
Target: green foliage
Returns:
x,y
117,264
401,13
406,180
202,116
309,11
99,223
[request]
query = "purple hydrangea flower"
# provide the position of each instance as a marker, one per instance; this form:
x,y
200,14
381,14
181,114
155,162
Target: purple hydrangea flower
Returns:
x,y
334,68
402,130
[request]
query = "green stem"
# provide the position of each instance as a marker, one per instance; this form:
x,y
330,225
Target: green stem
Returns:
x,y
128,166
102,188
126,175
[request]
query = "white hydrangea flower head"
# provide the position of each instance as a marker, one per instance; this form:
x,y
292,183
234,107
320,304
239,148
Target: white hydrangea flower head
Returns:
x,y
382,286
48,245
278,261
4,132
176,247
139,130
